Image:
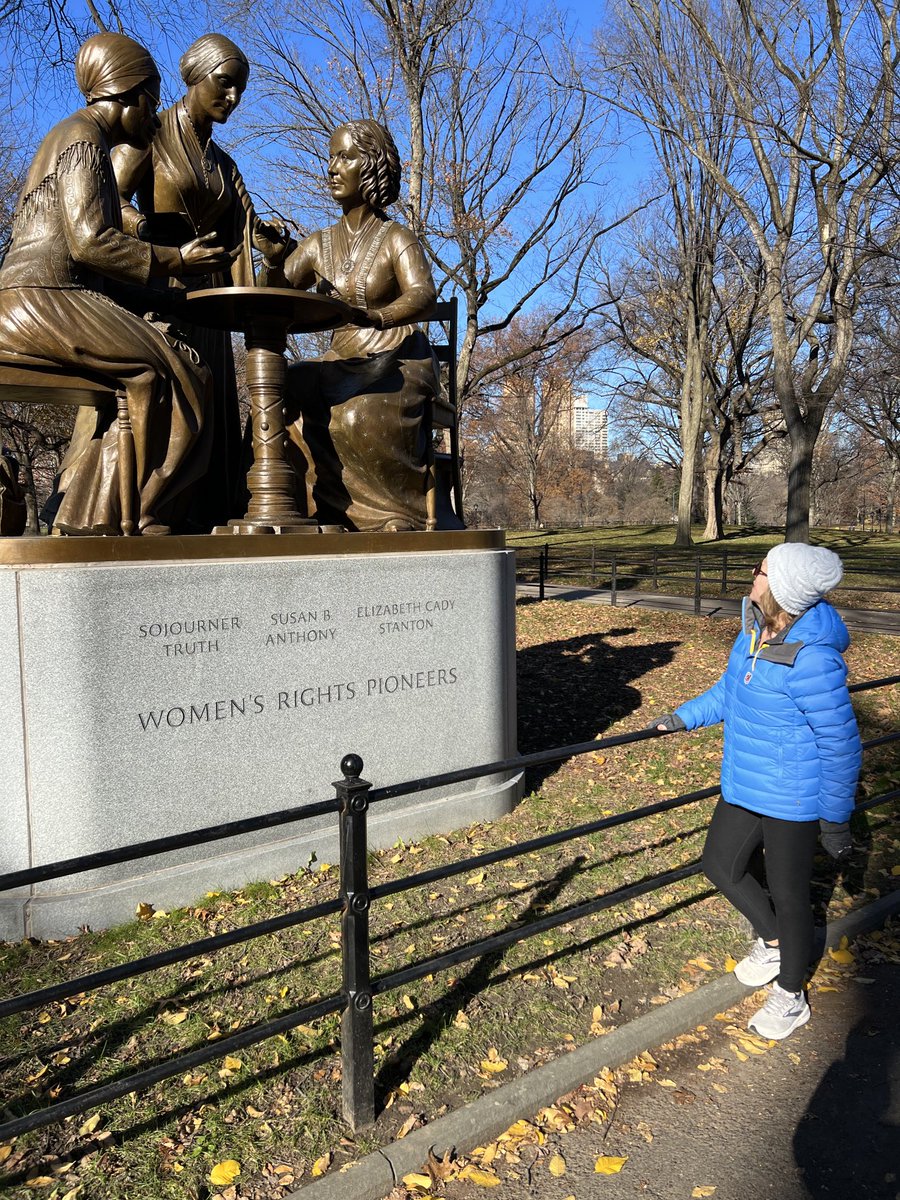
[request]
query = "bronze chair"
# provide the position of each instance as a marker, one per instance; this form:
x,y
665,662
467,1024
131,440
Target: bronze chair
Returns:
x,y
22,384
441,413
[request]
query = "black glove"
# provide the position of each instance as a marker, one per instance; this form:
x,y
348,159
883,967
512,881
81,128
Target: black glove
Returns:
x,y
835,837
669,721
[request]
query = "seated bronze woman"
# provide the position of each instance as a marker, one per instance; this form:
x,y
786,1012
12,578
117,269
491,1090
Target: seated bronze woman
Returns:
x,y
357,437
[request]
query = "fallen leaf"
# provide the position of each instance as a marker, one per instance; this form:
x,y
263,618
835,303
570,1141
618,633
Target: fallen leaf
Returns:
x,y
845,957
408,1003
38,1181
225,1173
89,1125
174,1018
418,1182
668,1083
144,911
609,1164
321,1165
557,1165
479,1176
232,1064
730,963
475,879
5,1152
461,1021
704,1189
494,1063
409,1124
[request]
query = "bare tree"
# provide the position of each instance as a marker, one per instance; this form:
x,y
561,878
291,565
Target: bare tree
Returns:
x,y
811,88
502,140
524,420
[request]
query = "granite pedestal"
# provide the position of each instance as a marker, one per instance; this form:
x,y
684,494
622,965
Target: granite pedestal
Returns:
x,y
148,689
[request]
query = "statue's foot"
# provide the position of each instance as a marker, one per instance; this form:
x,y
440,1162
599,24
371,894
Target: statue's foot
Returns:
x,y
154,529
66,530
399,525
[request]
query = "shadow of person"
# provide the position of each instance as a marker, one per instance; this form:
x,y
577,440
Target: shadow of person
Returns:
x,y
848,1141
573,689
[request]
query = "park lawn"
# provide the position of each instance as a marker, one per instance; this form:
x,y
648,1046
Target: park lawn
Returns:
x,y
275,1108
871,560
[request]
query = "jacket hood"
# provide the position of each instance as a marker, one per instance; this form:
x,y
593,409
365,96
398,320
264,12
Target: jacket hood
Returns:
x,y
820,625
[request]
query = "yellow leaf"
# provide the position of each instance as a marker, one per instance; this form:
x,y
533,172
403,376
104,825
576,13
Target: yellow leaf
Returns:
x,y
461,1021
844,957
478,1175
38,1181
730,963
144,911
703,963
557,1165
705,1189
476,878
739,1054
669,1083
232,1064
321,1165
608,1164
225,1173
494,1063
90,1125
174,1018
795,1058
895,870
74,1193
5,1152
416,1182
409,1003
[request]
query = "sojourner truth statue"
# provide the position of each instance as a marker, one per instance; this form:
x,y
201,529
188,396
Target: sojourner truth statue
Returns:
x,y
58,306
84,263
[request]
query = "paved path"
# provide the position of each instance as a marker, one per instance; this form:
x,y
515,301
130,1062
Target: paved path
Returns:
x,y
815,1116
863,620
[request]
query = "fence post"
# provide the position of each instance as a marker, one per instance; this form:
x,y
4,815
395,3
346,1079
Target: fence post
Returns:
x,y
697,578
357,1044
593,566
542,569
724,572
612,580
656,570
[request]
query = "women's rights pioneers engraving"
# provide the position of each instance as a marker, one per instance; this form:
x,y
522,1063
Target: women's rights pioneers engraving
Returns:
x,y
358,440
60,303
186,185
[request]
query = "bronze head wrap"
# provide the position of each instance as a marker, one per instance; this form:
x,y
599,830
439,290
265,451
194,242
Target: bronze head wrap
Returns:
x,y
202,58
110,64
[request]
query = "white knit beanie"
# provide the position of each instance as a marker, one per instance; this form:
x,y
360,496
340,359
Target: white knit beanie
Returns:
x,y
800,575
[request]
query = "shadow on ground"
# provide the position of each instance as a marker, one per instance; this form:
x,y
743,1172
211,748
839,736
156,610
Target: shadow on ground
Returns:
x,y
573,689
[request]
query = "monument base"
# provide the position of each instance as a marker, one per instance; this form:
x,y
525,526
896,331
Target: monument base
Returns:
x,y
147,689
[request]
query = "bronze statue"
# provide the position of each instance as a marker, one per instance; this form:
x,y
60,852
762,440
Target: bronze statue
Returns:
x,y
186,186
356,428
68,253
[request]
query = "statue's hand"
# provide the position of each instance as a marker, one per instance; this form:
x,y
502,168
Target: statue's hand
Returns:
x,y
365,318
274,242
200,257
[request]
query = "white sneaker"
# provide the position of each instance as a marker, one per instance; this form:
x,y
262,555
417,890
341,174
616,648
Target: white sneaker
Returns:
x,y
781,1014
760,966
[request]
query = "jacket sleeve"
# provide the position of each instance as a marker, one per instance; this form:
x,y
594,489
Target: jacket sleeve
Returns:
x,y
706,709
818,685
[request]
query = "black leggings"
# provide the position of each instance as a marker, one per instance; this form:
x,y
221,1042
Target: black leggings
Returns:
x,y
730,862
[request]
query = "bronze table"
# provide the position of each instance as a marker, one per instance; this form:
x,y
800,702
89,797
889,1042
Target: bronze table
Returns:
x,y
266,316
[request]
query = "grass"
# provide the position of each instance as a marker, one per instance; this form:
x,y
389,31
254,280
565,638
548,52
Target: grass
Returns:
x,y
871,560
275,1108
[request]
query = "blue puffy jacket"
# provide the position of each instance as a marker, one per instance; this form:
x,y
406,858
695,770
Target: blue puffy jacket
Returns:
x,y
792,747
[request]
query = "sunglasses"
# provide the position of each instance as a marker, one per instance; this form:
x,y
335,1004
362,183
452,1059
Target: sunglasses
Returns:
x,y
757,570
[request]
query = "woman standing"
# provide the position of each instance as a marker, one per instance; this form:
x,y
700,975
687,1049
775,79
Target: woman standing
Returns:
x,y
356,413
67,254
790,765
186,185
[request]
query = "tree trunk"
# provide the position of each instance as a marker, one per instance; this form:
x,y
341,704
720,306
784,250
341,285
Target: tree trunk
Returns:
x,y
715,524
803,443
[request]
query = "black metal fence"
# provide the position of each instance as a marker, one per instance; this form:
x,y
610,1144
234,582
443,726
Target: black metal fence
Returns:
x,y
708,573
352,802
